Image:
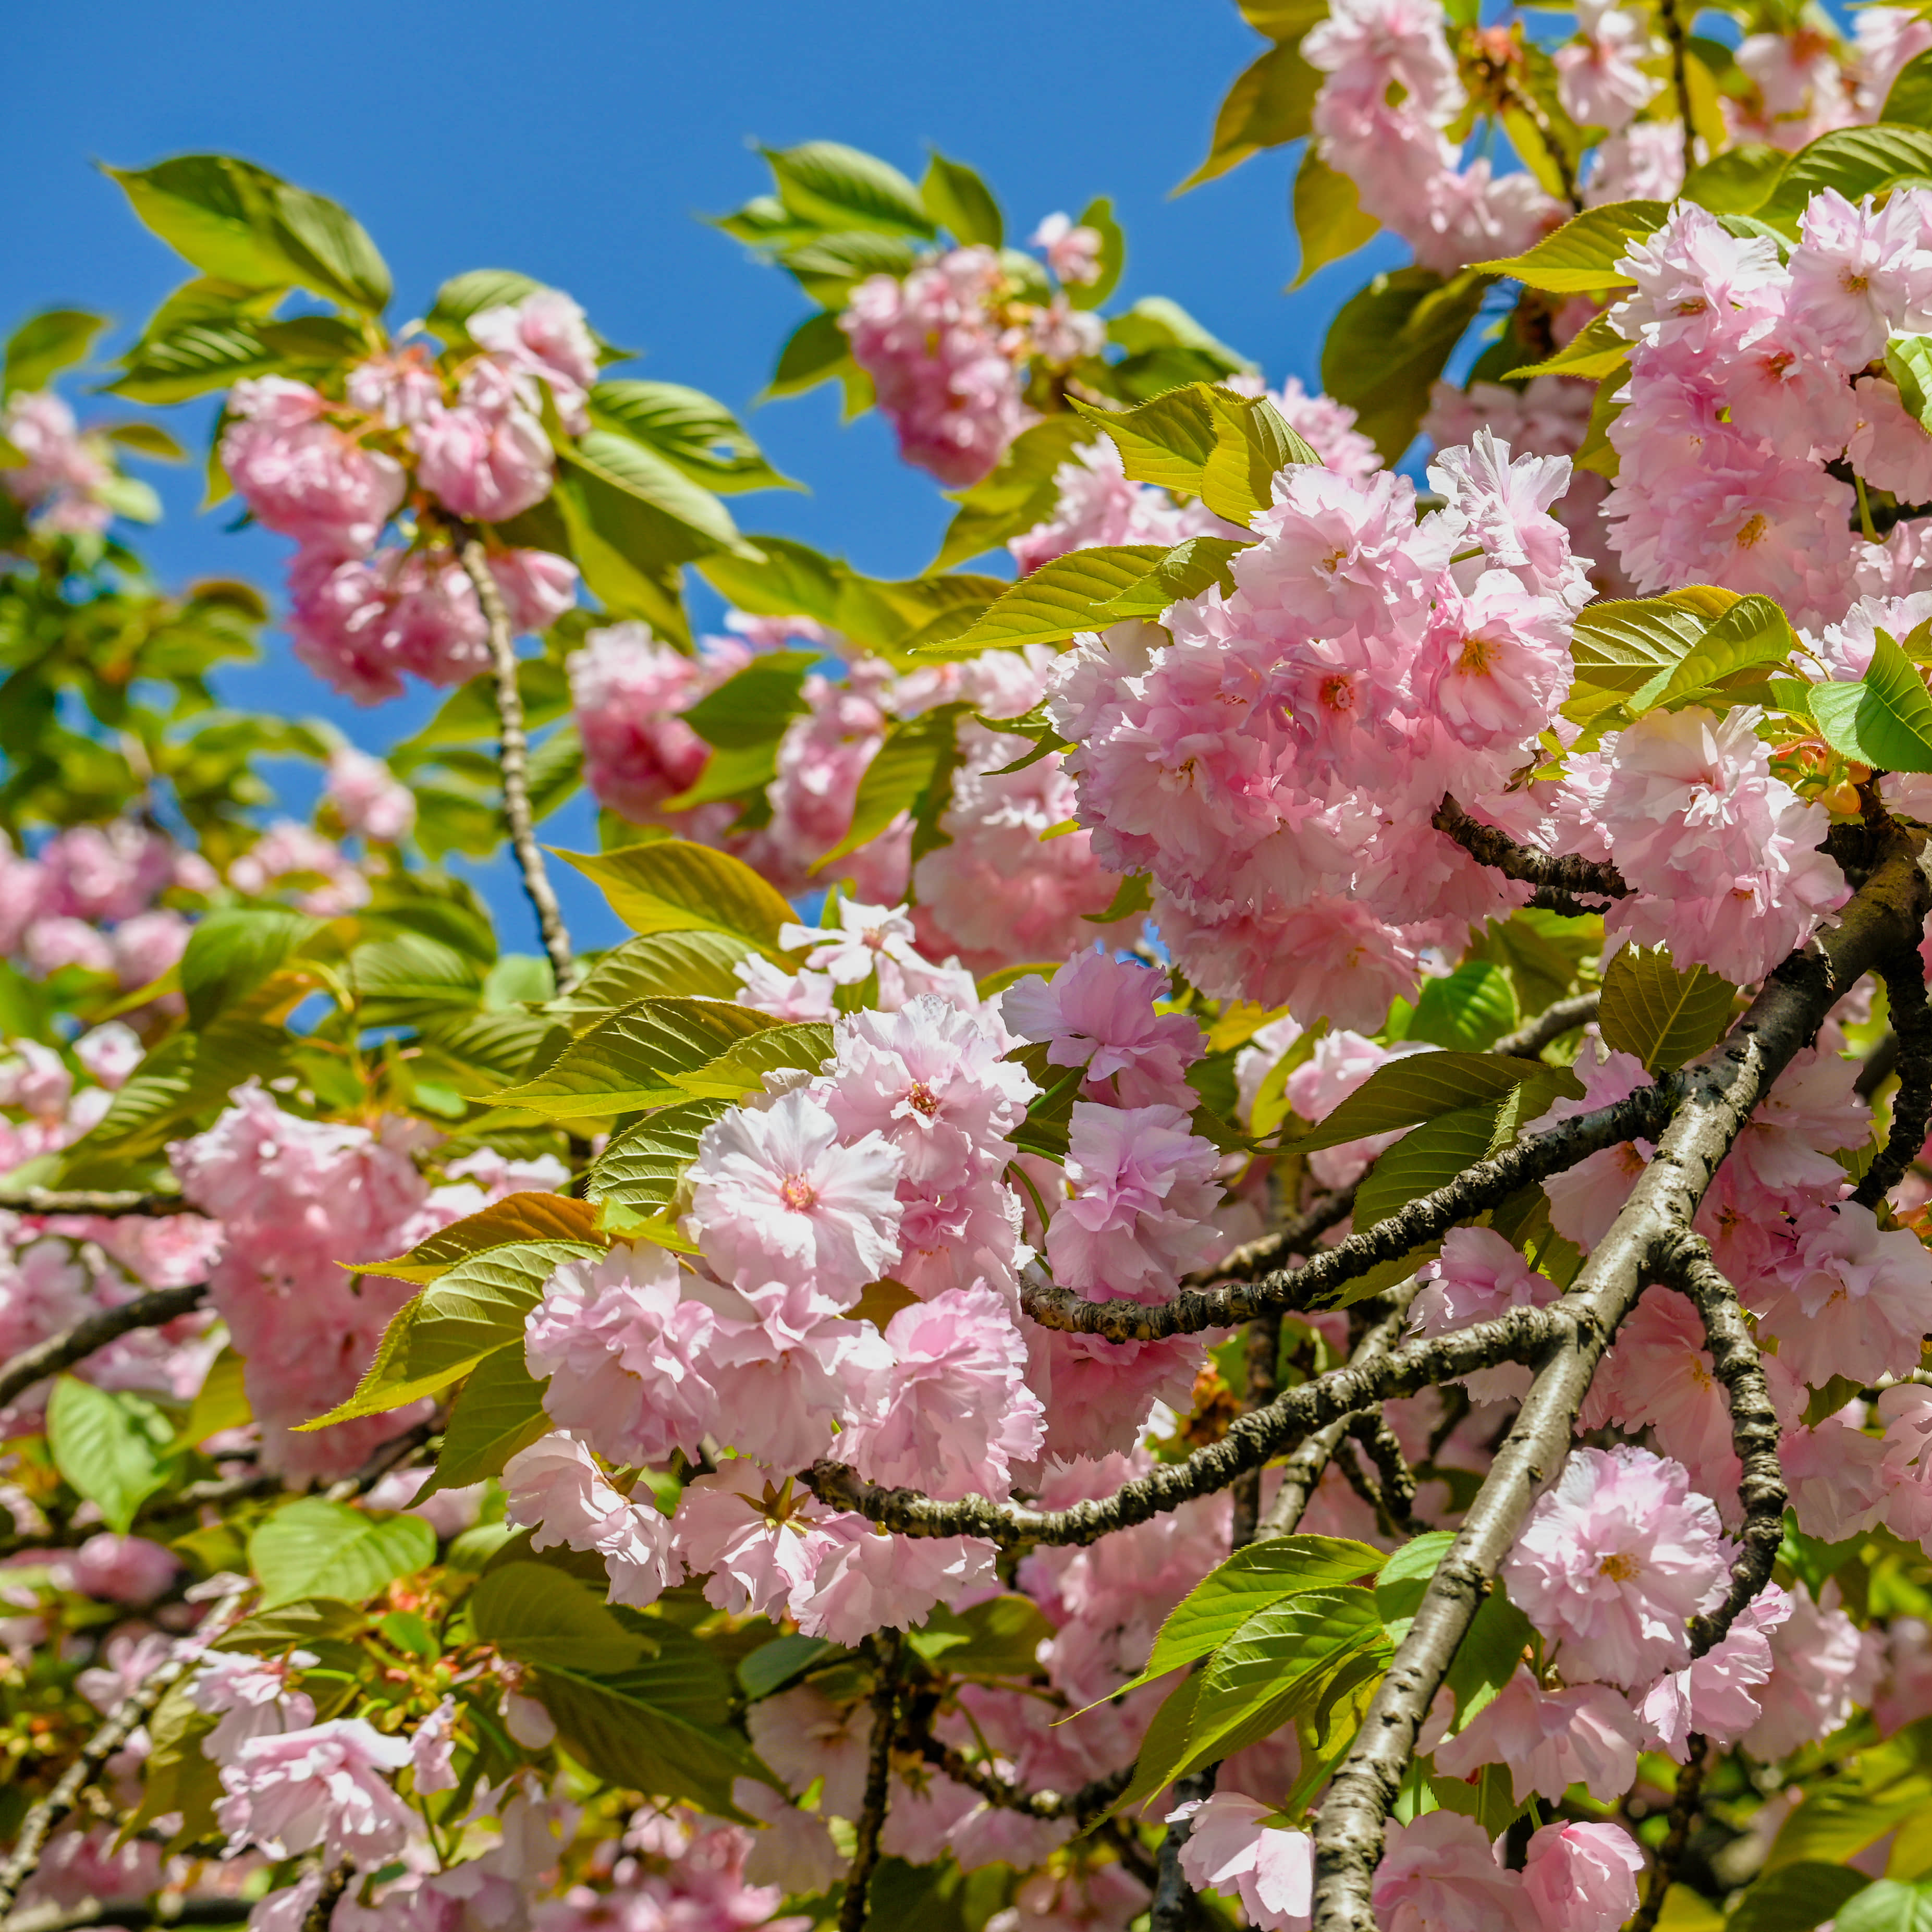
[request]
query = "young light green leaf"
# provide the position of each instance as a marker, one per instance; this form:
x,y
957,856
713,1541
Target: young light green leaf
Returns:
x,y
111,1445
1664,1017
673,520
1401,1581
1466,1009
537,1614
909,773
1329,223
1164,1748
670,885
1426,1157
1269,104
1582,254
1888,1905
499,1411
45,343
1856,161
958,199
804,1045
1884,719
1058,599
1753,635
840,187
315,1548
1111,262
1187,570
527,1216
1909,360
695,432
1796,1898
694,965
1594,352
642,1167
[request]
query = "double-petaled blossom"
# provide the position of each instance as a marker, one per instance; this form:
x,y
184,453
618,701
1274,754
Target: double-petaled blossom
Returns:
x,y
1549,1741
1231,1848
324,1787
554,1489
1098,1012
301,474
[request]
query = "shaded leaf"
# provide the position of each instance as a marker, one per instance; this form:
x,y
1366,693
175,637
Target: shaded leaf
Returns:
x,y
536,1613
1884,719
314,1548
1664,1017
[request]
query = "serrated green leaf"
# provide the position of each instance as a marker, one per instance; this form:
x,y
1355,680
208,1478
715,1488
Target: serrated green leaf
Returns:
x,y
1884,719
693,965
1390,342
1753,635
1020,491
677,520
1887,1905
314,1547
641,1168
1269,104
1664,1017
805,1045
1187,570
670,885
231,951
911,772
498,1411
111,1445
1164,1746
769,1668
1055,601
841,188
1581,256
692,431
1415,1087
536,1613
1425,1158
753,706
525,1216
1402,1580
1856,161
1594,352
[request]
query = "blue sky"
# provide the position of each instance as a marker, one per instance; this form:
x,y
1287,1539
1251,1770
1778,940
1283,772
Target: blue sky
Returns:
x,y
578,142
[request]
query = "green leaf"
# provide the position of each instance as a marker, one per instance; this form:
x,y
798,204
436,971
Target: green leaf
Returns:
x,y
1856,161
1883,1786
627,1061
1402,1581
1389,344
231,951
475,1309
1111,262
1625,646
1329,222
670,519
800,1044
1909,102
242,224
1276,1664
642,1167
177,1775
528,1216
1249,1581
817,350
773,1667
1752,636
1054,601
499,1411
1269,104
1467,1010
317,1548
1798,1898
45,343
1886,1905
1427,1157
670,885
1187,570
1164,1748
537,1614
659,1728
1405,1092
1884,720
1582,256
911,772
111,1446
753,706
1664,1017
1736,181
690,430
1909,358
1207,441
1595,351
839,187
694,965
956,198
1487,1658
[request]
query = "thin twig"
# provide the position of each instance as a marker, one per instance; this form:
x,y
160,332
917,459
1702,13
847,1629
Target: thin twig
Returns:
x,y
1721,1092
126,1718
1529,1040
1295,1236
1677,1834
1566,874
386,1458
321,1913
100,1204
871,1821
1082,1804
513,751
1878,1067
94,1332
1680,79
1395,1481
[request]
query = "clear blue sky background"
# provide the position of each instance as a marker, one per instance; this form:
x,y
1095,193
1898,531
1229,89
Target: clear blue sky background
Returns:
x,y
579,142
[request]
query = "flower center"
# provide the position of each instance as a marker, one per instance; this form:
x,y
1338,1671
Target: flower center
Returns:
x,y
1333,561
797,1193
1337,693
1852,282
1474,661
922,1099
1753,532
1618,1567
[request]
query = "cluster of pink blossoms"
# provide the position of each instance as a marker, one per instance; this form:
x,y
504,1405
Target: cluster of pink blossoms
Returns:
x,y
67,479
332,474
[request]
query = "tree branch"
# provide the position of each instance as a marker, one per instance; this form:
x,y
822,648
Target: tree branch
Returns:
x,y
321,1913
1564,875
1082,1804
1721,1092
1295,1236
1263,1350
101,1203
1529,1040
1673,31
1677,1834
126,1718
1904,976
872,1819
514,753
1522,1335
94,1332
91,1911
1485,1185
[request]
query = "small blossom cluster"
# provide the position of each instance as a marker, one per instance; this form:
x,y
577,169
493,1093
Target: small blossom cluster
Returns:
x,y
65,477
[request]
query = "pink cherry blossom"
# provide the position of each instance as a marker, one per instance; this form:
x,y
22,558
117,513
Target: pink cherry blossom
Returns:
x,y
302,475
1550,1740
1230,1848
1712,1695
368,797
1614,1560
876,1581
1072,252
290,1791
756,1540
1098,1012
543,336
1580,1877
252,1696
487,458
1441,1874
553,1488
1478,1277
63,471
1822,1667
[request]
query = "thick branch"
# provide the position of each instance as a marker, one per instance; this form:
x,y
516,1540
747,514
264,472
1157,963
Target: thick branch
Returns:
x,y
1904,976
94,1332
1295,1236
1522,1335
126,1718
1564,875
1528,1042
1677,1834
1485,1185
871,1821
101,1203
1721,1092
513,751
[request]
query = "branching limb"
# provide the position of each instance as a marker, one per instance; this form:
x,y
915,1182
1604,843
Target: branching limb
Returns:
x,y
1686,1263
871,1820
1174,1909
1566,875
1528,1042
104,1203
1264,1348
1393,1492
1677,1834
1879,1065
1313,1284
1296,1236
1087,1801
514,745
94,1332
1904,976
1523,1334
1721,1092
126,1718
